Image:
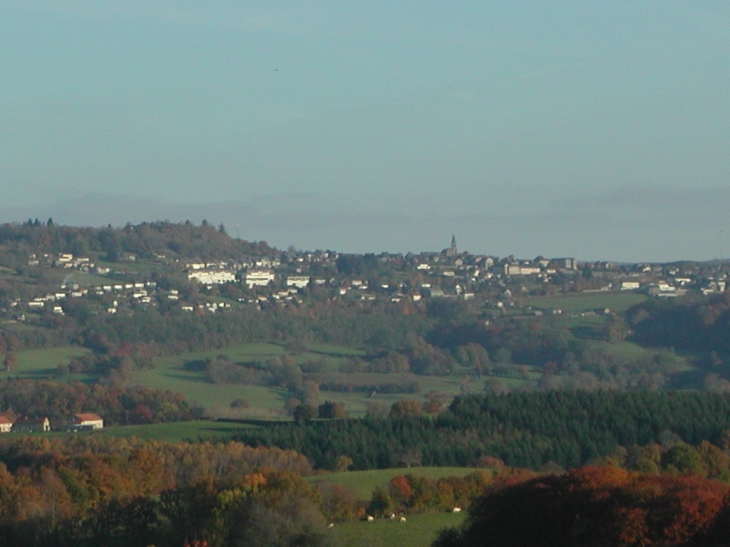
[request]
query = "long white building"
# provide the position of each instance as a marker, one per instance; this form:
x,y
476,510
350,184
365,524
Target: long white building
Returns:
x,y
259,278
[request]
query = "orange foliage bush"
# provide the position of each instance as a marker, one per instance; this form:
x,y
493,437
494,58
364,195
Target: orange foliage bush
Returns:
x,y
605,506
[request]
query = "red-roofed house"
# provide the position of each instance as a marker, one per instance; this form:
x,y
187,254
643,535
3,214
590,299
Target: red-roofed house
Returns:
x,y
87,420
5,425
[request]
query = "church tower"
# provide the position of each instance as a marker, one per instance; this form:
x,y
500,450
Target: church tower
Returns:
x,y
453,251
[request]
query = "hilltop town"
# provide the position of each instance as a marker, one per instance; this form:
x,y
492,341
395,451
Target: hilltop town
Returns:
x,y
37,281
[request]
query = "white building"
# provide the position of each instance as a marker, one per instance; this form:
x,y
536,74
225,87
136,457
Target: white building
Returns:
x,y
298,281
212,277
259,278
87,420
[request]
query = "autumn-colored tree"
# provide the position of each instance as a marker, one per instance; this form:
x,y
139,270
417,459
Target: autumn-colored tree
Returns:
x,y
343,463
593,506
435,402
715,461
330,410
400,490
424,492
338,503
381,503
682,458
406,408
10,362
304,413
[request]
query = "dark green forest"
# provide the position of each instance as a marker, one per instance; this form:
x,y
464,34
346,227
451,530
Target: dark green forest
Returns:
x,y
566,428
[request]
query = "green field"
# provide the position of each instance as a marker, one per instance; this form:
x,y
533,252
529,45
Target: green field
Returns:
x,y
364,482
417,531
170,373
579,321
616,301
175,431
84,279
336,350
179,374
42,363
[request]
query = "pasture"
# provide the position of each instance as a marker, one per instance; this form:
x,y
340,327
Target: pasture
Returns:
x,y
364,482
175,431
616,301
418,531
42,363
184,374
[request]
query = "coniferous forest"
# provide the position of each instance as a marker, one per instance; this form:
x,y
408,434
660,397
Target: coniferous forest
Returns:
x,y
567,428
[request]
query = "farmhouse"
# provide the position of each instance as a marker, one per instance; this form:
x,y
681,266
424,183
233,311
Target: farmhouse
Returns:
x,y
5,425
31,424
86,421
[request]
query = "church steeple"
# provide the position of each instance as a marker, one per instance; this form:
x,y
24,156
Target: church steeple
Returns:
x,y
453,251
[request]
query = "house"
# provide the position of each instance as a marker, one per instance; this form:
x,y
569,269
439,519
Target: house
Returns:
x,y
87,420
5,425
567,263
31,424
630,286
298,281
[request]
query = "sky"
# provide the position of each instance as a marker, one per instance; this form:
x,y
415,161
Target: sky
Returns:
x,y
593,129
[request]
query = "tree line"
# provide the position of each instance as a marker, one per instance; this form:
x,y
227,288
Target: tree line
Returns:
x,y
116,405
701,324
88,491
565,428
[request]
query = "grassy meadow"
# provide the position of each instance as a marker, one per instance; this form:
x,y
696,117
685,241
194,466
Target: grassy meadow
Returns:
x,y
418,531
616,301
42,363
183,374
364,482
180,374
175,431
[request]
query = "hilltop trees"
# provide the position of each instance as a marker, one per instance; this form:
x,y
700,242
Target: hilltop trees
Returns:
x,y
145,240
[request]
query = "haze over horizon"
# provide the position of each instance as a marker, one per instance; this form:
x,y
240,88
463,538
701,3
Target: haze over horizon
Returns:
x,y
596,130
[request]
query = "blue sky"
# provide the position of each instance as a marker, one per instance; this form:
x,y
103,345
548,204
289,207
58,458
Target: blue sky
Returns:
x,y
590,129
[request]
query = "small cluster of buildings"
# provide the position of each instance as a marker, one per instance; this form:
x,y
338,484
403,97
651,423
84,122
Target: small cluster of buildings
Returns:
x,y
66,261
140,293
39,424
